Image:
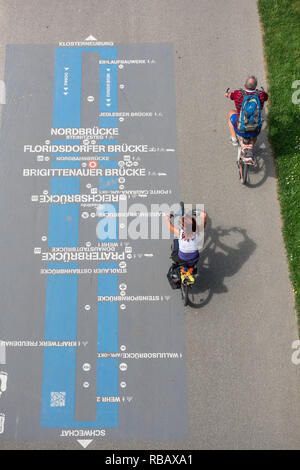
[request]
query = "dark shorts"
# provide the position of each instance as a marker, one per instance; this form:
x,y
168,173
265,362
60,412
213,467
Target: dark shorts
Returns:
x,y
233,119
177,260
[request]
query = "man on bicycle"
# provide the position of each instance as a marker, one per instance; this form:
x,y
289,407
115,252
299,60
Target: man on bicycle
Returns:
x,y
237,119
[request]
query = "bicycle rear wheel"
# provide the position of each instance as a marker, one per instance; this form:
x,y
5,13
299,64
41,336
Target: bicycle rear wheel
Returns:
x,y
184,294
243,168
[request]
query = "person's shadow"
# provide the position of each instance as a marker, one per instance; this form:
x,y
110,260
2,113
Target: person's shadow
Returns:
x,y
264,167
219,259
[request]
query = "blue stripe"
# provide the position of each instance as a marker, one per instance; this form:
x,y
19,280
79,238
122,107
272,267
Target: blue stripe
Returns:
x,y
108,163
61,305
108,87
66,111
59,375
65,163
108,312
64,185
63,225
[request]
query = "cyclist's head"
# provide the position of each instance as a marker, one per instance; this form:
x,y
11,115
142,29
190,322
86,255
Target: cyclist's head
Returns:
x,y
189,225
251,82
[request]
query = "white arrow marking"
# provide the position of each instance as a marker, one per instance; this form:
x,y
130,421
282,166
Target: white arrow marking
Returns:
x,y
167,297
84,442
129,399
90,38
2,353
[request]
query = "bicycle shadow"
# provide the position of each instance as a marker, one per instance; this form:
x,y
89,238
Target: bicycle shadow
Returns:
x,y
218,260
265,167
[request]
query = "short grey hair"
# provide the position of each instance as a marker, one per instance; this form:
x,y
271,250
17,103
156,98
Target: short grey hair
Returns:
x,y
251,82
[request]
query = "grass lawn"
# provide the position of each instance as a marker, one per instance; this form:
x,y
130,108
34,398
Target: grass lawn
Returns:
x,y
281,25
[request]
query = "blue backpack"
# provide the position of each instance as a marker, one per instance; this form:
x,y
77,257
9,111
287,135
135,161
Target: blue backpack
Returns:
x,y
250,115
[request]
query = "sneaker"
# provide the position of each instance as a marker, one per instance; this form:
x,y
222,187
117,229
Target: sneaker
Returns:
x,y
234,141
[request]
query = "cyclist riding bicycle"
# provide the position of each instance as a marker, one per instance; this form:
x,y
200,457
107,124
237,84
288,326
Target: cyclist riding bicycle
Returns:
x,y
246,120
185,251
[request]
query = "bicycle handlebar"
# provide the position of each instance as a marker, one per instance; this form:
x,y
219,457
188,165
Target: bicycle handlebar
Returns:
x,y
262,88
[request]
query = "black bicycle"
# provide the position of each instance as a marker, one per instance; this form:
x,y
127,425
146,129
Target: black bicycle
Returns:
x,y
245,157
178,278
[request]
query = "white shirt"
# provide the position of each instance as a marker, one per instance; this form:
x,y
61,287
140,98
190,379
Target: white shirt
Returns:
x,y
188,246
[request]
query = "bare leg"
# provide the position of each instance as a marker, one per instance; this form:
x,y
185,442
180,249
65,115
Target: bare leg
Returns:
x,y
231,128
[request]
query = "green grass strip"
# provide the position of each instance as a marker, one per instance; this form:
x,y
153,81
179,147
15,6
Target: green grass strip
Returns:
x,y
281,28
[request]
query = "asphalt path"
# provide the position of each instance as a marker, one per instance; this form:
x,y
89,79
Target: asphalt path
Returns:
x,y
243,390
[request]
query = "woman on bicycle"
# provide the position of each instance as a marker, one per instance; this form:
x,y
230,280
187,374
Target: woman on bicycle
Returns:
x,y
185,246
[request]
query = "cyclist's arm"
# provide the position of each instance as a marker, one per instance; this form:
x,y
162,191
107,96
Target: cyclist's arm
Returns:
x,y
202,224
203,216
171,226
263,97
